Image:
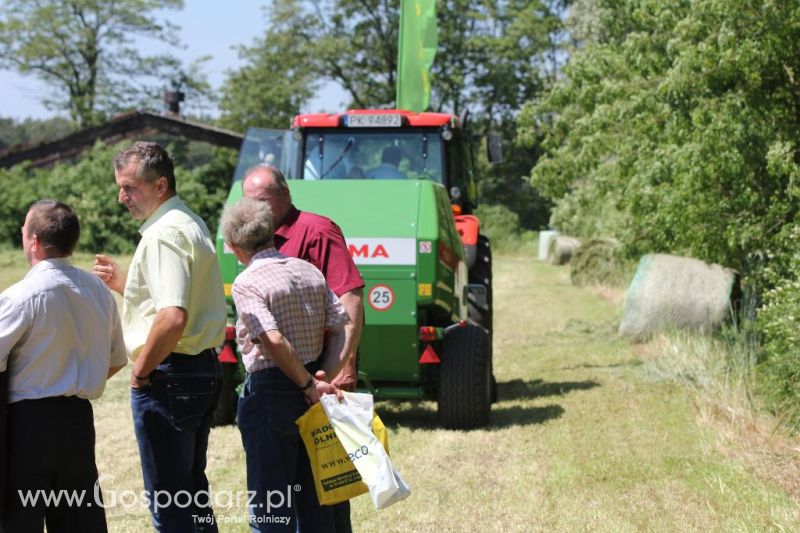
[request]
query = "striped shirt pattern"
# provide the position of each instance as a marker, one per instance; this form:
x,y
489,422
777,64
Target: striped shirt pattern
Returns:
x,y
282,293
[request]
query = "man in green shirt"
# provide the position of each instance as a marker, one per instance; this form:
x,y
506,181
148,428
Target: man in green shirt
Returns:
x,y
173,319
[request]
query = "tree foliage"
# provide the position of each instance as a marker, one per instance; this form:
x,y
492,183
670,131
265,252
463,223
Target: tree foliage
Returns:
x,y
492,57
679,131
88,186
86,50
32,130
676,128
275,80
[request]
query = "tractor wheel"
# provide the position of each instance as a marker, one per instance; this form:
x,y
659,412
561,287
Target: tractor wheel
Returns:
x,y
481,272
225,411
465,378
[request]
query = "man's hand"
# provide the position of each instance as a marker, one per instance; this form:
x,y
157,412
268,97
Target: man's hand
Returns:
x,y
109,272
321,387
346,380
353,302
139,381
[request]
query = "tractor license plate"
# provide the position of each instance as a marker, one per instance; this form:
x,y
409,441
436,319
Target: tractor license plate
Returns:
x,y
373,121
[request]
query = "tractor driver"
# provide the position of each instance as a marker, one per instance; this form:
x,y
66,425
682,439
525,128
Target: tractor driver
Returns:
x,y
388,169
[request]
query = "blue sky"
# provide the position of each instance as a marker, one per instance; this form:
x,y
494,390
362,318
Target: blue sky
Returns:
x,y
207,28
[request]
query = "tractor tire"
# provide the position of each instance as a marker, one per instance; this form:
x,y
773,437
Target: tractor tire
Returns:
x,y
481,273
465,379
225,410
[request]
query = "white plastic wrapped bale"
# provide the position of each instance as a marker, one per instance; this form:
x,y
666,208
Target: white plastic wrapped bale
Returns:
x,y
671,292
544,243
561,249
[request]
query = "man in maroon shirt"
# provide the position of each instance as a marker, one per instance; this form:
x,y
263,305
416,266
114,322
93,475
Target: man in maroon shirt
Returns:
x,y
319,241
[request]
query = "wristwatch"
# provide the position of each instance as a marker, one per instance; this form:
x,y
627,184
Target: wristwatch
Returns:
x,y
309,384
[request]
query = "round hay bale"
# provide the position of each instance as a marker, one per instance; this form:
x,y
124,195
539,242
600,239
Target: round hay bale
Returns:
x,y
545,236
561,249
597,262
670,292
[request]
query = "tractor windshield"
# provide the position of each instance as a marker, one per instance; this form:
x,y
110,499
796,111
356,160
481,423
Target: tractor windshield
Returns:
x,y
373,154
276,148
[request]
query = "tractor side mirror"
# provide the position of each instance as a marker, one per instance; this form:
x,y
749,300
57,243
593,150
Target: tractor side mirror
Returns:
x,y
494,148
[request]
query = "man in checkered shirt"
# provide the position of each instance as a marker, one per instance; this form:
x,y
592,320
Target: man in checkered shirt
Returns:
x,y
293,334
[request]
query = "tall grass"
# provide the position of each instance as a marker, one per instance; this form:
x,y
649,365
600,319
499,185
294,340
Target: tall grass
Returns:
x,y
720,367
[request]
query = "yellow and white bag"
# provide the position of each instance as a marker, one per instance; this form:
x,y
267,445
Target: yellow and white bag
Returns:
x,y
350,420
335,476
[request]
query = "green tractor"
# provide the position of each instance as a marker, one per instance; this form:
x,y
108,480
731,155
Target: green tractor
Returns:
x,y
401,185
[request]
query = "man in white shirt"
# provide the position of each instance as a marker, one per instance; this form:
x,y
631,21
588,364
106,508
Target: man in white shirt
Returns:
x,y
60,340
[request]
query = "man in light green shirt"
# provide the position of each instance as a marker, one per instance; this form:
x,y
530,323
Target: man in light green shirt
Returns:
x,y
173,319
174,264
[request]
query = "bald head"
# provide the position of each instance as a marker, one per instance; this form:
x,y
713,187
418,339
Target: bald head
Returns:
x,y
267,184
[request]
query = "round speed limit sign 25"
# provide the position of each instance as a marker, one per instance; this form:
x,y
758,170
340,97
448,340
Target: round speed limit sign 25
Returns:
x,y
381,297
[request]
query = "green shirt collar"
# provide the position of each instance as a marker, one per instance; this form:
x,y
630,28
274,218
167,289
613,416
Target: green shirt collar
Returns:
x,y
172,203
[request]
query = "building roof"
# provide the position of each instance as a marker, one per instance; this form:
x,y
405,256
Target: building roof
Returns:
x,y
121,127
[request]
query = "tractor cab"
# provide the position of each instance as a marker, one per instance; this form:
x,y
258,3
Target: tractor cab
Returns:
x,y
369,145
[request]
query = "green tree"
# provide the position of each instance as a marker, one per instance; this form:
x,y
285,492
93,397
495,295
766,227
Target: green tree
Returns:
x,y
275,81
676,128
678,131
492,57
85,49
87,184
32,130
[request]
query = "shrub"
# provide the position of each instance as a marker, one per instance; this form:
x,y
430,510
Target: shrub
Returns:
x,y
88,186
779,322
498,223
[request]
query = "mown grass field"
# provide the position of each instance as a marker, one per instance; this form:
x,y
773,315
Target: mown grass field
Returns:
x,y
583,437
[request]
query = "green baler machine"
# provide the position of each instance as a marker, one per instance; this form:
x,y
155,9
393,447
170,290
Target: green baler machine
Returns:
x,y
427,273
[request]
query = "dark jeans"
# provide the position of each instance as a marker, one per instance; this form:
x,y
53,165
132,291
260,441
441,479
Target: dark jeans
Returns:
x,y
171,419
278,469
3,440
341,517
51,455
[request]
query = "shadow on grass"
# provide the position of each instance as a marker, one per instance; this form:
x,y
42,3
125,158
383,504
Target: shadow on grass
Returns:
x,y
621,364
517,389
423,416
503,417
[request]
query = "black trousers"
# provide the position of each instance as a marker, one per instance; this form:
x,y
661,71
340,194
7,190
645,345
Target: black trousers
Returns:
x,y
51,468
3,440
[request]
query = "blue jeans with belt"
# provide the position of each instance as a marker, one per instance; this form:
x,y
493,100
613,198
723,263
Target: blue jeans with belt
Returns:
x,y
172,420
278,470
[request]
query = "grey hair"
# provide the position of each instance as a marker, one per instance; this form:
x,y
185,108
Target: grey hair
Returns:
x,y
152,162
248,225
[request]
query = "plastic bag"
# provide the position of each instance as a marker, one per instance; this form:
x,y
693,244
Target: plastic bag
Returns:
x,y
335,477
363,448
